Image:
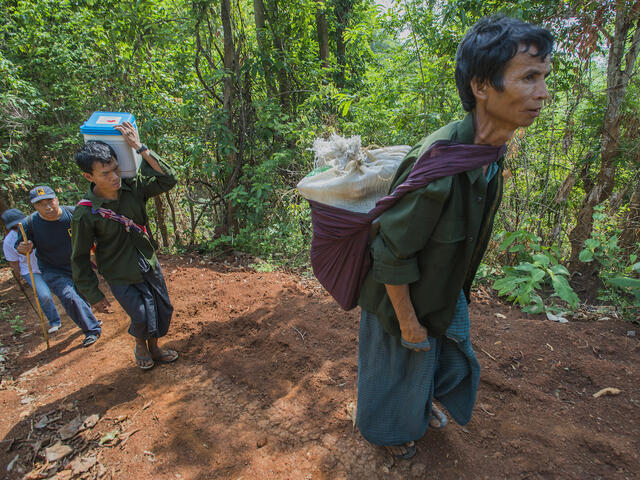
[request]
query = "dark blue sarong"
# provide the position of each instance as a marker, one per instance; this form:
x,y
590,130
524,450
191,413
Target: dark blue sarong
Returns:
x,y
147,303
396,386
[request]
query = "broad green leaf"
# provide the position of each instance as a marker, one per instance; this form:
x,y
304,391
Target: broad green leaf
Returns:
x,y
525,267
541,259
586,256
560,270
625,282
537,275
564,291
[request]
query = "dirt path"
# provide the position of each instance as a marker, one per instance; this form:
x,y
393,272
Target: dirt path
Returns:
x,y
266,375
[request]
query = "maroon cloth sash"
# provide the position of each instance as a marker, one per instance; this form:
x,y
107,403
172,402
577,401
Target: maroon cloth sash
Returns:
x,y
340,245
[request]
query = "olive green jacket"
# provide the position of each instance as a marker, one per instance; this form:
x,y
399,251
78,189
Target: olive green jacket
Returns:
x,y
116,249
433,239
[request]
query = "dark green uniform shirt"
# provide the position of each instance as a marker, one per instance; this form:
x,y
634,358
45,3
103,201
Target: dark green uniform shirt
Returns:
x,y
433,239
116,249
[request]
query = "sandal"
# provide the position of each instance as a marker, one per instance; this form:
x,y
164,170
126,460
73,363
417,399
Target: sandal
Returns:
x,y
143,362
407,450
90,339
438,417
166,356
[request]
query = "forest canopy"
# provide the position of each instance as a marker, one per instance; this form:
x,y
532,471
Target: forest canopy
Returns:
x,y
234,93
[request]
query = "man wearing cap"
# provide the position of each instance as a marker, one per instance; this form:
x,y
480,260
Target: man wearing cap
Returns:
x,y
20,267
48,229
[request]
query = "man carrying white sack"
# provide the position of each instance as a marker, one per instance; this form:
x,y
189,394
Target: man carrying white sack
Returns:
x,y
414,342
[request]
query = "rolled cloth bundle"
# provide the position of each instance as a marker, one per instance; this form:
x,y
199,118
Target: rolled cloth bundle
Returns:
x,y
339,248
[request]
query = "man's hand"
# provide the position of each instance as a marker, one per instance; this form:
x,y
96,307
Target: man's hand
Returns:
x,y
24,248
411,329
103,306
130,134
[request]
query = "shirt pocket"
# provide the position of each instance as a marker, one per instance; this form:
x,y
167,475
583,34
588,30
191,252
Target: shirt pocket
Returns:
x,y
449,231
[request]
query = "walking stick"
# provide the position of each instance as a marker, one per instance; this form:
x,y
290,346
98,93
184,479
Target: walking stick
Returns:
x,y
35,294
24,292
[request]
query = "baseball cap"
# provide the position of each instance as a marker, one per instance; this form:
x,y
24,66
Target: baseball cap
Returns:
x,y
12,217
41,193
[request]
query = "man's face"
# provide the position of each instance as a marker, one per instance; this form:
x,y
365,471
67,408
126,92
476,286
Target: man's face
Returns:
x,y
48,208
523,94
106,176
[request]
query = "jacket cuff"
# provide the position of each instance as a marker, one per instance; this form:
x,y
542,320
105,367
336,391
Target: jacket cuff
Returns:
x,y
147,171
400,273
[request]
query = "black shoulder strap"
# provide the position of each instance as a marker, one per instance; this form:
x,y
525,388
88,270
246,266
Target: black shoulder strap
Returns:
x,y
29,232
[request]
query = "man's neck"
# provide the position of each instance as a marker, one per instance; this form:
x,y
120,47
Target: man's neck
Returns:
x,y
488,131
110,195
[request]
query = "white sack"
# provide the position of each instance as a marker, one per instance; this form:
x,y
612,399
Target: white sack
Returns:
x,y
346,176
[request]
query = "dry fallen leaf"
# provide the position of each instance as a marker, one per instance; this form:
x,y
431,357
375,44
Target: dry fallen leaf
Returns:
x,y
56,452
91,421
351,412
70,429
109,438
499,315
607,391
81,465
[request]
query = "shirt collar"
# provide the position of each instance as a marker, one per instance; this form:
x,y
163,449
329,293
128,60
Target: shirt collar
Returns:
x,y
466,130
97,201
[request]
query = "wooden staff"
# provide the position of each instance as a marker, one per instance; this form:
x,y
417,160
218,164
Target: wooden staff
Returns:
x,y
35,293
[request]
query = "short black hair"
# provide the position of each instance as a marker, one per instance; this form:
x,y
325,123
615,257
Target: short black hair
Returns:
x,y
94,151
488,46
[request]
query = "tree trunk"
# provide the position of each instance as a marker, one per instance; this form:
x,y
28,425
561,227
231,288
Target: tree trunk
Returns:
x,y
631,228
161,221
343,10
626,26
263,45
176,232
323,34
227,100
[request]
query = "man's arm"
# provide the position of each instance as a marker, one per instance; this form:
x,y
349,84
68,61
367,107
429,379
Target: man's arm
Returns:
x,y
161,176
411,329
84,278
404,231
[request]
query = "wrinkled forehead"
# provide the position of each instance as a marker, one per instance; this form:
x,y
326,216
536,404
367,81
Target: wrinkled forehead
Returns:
x,y
527,58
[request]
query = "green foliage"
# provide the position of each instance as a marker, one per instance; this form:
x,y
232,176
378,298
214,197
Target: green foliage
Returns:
x,y
537,270
619,273
389,78
14,321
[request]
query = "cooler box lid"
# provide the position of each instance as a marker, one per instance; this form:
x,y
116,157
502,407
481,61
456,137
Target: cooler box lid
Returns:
x,y
102,123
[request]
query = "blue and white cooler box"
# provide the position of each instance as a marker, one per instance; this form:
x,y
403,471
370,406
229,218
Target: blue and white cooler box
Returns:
x,y
100,127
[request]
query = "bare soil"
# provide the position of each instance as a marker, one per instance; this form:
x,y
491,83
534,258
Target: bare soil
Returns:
x,y
266,383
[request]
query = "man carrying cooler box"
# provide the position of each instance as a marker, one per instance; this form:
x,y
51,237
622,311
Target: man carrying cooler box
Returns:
x,y
114,217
